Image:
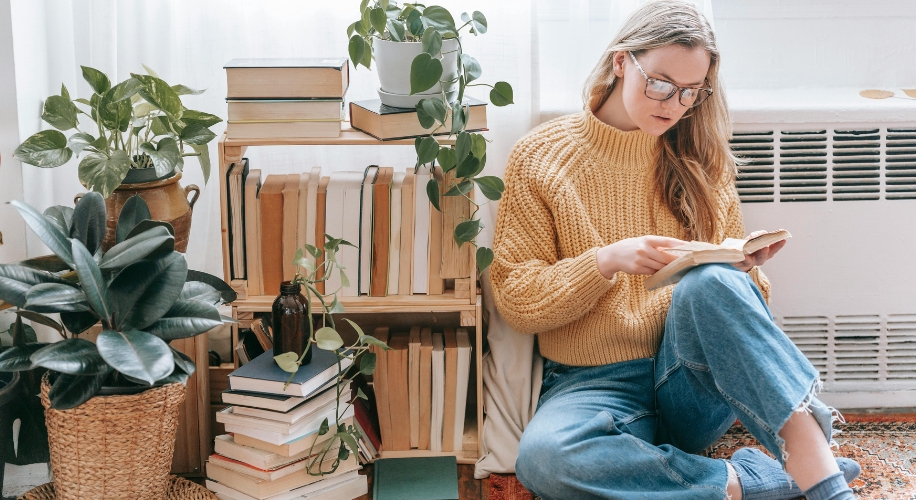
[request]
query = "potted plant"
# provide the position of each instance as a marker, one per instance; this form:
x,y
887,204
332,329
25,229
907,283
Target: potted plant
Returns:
x,y
136,142
421,64
111,405
314,266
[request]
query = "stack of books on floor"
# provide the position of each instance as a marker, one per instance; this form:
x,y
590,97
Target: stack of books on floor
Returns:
x,y
285,98
405,246
272,446
422,380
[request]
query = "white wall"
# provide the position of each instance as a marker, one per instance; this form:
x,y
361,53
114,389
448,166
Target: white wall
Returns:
x,y
11,225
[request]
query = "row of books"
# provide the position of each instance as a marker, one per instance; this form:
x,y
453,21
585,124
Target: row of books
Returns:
x,y
271,451
421,388
287,98
404,245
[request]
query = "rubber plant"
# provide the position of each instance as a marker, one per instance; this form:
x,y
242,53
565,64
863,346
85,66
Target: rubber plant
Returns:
x,y
315,266
140,291
430,25
138,123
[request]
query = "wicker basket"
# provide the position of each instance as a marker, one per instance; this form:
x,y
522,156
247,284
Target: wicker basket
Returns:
x,y
114,447
179,489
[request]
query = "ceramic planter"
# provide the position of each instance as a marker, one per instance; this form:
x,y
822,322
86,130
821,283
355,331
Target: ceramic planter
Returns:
x,y
393,60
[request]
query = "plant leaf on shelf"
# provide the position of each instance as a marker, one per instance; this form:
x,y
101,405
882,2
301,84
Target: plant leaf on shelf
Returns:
x,y
439,18
491,186
288,362
447,158
425,72
431,42
484,258
137,354
501,94
427,149
378,19
432,191
466,231
166,155
356,47
328,339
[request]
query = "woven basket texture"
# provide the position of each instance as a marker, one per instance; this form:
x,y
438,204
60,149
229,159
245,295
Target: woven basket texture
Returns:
x,y
114,447
179,489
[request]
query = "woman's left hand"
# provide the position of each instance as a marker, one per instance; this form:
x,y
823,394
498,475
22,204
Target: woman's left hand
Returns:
x,y
760,256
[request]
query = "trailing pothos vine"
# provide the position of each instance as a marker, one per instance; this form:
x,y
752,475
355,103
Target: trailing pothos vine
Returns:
x,y
385,20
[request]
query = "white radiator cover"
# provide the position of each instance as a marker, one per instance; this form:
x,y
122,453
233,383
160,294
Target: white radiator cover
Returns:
x,y
844,287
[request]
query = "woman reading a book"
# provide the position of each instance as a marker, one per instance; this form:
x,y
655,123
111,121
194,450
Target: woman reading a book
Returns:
x,y
637,383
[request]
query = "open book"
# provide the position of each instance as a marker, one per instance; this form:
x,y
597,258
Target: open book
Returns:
x,y
700,252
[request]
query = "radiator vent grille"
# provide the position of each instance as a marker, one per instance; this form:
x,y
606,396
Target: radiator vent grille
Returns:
x,y
843,164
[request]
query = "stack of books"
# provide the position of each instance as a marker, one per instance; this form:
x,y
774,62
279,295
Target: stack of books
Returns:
x,y
272,446
286,98
405,246
387,123
423,381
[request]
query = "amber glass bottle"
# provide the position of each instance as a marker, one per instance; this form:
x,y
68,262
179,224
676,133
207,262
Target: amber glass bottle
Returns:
x,y
290,321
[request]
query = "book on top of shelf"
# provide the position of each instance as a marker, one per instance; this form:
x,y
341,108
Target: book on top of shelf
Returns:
x,y
284,109
263,375
284,129
287,78
415,478
695,253
388,123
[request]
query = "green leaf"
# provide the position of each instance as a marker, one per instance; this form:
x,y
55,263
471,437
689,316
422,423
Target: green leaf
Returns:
x,y
198,290
60,216
349,441
70,391
415,23
16,280
186,318
478,21
351,29
146,225
88,223
362,395
157,241
79,141
427,149
149,70
365,21
431,41
125,90
359,331
97,80
72,356
343,453
185,90
324,428
336,306
367,363
463,187
462,146
446,158
369,339
426,121
501,95
288,362
328,339
484,258
134,211
159,125
104,174
459,117
60,112
41,320
166,155
478,145
49,263
78,322
183,362
492,187
17,359
136,354
356,48
396,30
432,191
160,94
439,18
64,92
467,231
94,287
190,116
378,19
196,134
144,291
203,159
115,115
468,167
435,108
54,297
45,230
46,149
472,70
425,71
367,54
22,334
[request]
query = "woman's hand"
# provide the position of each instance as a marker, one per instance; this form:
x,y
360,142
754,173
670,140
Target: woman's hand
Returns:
x,y
760,256
636,255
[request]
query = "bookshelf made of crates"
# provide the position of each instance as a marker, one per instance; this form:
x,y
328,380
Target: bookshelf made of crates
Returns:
x,y
457,307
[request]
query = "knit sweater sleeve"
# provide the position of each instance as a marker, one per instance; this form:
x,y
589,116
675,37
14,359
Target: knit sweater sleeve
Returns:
x,y
534,289
734,228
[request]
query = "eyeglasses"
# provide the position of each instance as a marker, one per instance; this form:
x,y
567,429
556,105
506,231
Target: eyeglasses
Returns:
x,y
662,90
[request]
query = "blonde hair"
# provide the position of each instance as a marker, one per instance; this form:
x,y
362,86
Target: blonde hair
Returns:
x,y
694,159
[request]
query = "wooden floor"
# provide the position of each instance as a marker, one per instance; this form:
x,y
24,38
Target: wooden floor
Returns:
x,y
468,487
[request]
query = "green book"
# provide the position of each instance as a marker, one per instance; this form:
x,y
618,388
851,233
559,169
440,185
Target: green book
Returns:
x,y
423,478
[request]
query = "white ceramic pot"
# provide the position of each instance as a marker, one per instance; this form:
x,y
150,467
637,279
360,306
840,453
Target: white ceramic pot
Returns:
x,y
393,60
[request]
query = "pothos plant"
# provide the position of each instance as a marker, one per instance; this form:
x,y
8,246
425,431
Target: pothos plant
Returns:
x,y
138,123
311,269
430,25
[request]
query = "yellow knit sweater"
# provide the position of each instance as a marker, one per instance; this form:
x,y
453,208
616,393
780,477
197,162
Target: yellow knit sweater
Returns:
x,y
574,185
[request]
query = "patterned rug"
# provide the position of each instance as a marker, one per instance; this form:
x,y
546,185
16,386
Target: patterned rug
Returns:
x,y
884,445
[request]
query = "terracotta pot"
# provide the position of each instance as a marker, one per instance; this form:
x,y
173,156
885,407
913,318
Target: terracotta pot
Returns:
x,y
167,201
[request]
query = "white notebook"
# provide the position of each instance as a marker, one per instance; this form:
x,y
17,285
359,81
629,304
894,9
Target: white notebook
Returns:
x,y
438,398
421,233
461,393
394,252
334,211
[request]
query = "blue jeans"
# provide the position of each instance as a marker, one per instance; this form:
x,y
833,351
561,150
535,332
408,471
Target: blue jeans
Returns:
x,y
632,429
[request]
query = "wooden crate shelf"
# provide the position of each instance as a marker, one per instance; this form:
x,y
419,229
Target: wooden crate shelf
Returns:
x,y
467,305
